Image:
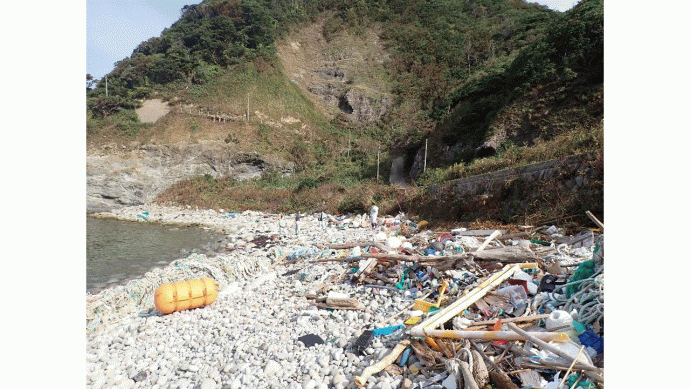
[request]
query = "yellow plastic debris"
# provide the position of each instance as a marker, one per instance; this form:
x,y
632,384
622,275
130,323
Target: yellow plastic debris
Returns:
x,y
421,305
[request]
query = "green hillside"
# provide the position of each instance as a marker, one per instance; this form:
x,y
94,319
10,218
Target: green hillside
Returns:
x,y
488,84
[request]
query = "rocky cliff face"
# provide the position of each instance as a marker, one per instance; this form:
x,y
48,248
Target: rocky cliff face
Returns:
x,y
344,76
134,177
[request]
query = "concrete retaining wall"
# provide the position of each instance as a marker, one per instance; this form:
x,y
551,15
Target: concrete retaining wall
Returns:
x,y
539,184
538,171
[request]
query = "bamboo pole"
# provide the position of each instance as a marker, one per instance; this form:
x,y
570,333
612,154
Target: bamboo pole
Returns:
x,y
489,335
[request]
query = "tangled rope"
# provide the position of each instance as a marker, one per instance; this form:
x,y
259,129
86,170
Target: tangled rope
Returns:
x,y
588,301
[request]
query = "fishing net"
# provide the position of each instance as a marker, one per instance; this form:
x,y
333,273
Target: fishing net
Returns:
x,y
120,303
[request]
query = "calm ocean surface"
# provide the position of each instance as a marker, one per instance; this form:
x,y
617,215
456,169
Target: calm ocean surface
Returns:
x,y
119,250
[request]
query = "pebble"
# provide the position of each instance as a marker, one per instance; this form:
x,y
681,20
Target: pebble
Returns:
x,y
208,383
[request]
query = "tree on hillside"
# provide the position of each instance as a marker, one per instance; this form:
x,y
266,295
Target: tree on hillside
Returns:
x,y
90,81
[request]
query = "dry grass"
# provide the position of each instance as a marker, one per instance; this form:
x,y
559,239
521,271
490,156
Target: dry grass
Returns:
x,y
284,197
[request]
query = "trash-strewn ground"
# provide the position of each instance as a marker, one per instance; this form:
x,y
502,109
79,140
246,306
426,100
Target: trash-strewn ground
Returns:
x,y
319,302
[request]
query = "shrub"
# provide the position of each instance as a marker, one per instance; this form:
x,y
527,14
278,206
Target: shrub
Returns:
x,y
306,183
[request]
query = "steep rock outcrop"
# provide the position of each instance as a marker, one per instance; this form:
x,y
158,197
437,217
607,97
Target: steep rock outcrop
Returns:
x,y
137,176
367,108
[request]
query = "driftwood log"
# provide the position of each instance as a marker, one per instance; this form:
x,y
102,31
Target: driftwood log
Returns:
x,y
512,254
496,374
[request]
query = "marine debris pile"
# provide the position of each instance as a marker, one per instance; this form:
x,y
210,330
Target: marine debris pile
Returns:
x,y
320,301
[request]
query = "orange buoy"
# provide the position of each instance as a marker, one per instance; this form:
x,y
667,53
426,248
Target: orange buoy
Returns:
x,y
185,294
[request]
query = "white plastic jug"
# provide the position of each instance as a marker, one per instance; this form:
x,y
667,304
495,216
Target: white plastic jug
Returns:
x,y
561,321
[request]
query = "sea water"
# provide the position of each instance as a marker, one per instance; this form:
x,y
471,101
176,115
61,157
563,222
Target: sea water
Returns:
x,y
118,250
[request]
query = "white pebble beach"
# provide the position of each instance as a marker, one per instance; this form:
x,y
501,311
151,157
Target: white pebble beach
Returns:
x,y
248,337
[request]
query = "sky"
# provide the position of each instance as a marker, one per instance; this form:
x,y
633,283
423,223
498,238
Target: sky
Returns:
x,y
114,28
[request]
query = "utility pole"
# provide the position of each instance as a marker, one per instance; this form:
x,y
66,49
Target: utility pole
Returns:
x,y
426,146
378,162
106,85
348,144
249,92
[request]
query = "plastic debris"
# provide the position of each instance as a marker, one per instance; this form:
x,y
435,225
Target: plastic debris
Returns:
x,y
310,340
386,330
362,342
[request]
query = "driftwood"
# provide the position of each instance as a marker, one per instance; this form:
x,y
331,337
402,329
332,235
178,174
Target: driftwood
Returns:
x,y
512,254
497,376
512,236
502,381
349,245
368,267
595,220
382,278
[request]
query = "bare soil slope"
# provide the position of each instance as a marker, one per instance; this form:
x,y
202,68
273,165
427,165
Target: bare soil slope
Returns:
x,y
152,110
